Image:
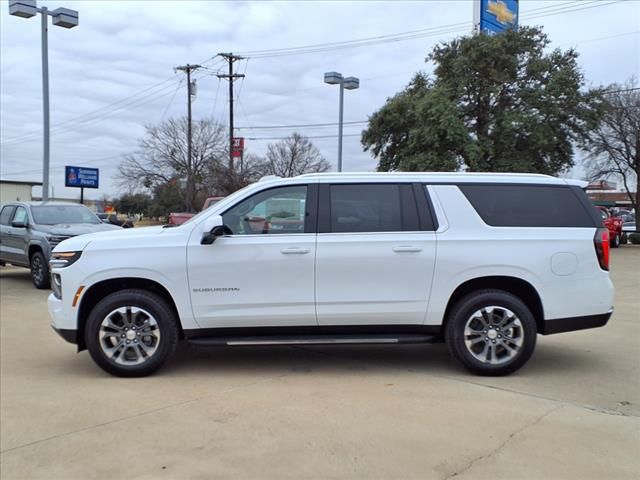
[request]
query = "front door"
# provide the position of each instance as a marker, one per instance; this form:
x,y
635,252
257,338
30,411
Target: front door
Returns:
x,y
262,274
375,255
15,239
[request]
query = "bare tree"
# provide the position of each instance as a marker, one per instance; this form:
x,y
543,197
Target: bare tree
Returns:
x,y
293,156
162,157
615,146
222,180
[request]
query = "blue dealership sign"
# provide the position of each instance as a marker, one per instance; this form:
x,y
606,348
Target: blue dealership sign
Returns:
x,y
81,177
496,16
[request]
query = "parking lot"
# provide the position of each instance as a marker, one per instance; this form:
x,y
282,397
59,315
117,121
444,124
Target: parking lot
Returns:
x,y
353,412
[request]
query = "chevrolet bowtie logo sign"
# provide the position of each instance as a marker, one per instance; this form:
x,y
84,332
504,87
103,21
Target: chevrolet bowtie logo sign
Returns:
x,y
495,16
501,11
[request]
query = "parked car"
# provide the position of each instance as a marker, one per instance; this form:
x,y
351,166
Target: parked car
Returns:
x,y
30,230
103,216
613,224
181,217
476,260
627,228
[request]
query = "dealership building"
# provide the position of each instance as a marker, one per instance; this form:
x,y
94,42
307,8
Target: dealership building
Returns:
x,y
16,191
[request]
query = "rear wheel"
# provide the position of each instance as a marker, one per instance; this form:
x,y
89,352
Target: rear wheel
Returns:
x,y
492,332
39,271
131,333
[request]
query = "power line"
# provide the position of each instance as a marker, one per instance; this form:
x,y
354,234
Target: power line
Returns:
x,y
624,90
566,7
311,136
301,125
215,100
94,162
171,101
152,91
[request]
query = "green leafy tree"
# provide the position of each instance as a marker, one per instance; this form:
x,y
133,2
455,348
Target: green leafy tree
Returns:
x,y
167,197
495,103
133,203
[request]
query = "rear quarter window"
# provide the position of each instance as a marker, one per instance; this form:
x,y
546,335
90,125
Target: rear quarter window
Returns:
x,y
502,205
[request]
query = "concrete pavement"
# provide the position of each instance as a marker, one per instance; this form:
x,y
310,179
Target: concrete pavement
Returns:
x,y
321,412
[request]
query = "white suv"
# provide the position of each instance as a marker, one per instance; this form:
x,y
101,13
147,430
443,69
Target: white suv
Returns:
x,y
484,262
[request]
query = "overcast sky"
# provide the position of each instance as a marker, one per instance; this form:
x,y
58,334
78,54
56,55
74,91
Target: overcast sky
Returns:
x,y
114,73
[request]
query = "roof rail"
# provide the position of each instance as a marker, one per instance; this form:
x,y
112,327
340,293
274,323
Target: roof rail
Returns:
x,y
266,178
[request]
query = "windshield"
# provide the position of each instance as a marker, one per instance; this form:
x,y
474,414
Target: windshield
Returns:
x,y
55,214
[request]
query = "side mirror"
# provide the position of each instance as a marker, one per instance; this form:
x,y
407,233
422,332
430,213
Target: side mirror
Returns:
x,y
209,237
213,228
18,224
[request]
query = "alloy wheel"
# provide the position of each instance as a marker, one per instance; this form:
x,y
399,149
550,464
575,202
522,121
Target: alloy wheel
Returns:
x,y
494,335
129,335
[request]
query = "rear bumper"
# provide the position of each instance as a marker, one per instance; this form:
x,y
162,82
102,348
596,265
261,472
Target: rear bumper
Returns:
x,y
559,325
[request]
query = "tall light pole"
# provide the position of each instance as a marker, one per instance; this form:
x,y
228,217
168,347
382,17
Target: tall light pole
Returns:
x,y
62,17
349,83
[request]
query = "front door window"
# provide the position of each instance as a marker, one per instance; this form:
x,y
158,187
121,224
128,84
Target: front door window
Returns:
x,y
275,211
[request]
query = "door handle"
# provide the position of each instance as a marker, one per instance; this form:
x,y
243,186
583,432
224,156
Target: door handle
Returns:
x,y
407,249
294,251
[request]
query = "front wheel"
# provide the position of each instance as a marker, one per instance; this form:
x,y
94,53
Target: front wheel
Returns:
x,y
131,333
492,332
39,271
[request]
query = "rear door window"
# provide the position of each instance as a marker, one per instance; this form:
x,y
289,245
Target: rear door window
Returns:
x,y
365,208
508,205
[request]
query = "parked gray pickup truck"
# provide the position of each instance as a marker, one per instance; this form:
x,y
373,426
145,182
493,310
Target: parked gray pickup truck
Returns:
x,y
30,230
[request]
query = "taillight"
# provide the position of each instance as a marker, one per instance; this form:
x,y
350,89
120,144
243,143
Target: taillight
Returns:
x,y
601,242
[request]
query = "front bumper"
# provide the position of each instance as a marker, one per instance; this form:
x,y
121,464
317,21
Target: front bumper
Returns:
x,y
60,319
70,336
559,325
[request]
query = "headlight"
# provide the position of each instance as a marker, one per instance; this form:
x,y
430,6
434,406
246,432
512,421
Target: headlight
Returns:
x,y
56,239
63,259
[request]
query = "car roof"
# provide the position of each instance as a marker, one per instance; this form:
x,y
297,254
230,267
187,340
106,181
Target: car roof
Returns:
x,y
50,204
432,177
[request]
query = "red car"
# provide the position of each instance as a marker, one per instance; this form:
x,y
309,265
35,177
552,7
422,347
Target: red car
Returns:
x,y
613,224
180,218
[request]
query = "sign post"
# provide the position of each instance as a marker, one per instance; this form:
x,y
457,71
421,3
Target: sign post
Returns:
x,y
81,177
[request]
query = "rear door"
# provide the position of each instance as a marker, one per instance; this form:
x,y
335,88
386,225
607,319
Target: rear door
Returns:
x,y
375,254
16,238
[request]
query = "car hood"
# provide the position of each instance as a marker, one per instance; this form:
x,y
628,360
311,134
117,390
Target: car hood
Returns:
x,y
80,242
73,229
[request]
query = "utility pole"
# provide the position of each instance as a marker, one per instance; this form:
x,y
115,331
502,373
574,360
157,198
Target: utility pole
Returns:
x,y
230,58
188,69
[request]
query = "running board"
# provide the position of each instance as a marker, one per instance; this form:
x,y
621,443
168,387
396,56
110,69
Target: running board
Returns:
x,y
313,340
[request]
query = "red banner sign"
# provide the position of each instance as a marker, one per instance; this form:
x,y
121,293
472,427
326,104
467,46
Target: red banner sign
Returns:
x,y
238,147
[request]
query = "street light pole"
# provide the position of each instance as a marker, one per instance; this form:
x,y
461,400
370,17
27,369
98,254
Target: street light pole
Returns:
x,y
62,17
340,126
349,83
45,103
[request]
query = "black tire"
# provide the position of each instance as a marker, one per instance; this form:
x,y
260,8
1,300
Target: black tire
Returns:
x,y
624,239
162,313
615,241
464,310
39,271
